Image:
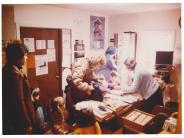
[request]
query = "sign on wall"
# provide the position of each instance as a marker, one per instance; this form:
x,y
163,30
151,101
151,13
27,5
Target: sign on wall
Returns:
x,y
97,32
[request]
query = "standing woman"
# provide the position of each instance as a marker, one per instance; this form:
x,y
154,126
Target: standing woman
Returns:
x,y
110,65
18,113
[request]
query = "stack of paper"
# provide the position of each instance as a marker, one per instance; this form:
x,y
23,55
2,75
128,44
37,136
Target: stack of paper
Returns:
x,y
124,98
114,104
102,113
100,109
129,98
116,92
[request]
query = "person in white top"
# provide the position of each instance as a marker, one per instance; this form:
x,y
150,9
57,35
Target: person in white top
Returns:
x,y
145,84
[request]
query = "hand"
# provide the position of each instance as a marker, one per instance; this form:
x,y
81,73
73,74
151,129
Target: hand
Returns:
x,y
91,88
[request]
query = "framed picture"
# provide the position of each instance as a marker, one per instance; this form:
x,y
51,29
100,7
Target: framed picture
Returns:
x,y
79,47
97,32
79,54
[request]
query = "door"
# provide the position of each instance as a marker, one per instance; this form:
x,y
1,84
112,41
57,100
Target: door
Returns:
x,y
46,77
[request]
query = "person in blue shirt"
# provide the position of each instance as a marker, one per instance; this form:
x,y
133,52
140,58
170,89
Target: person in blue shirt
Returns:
x,y
110,65
41,124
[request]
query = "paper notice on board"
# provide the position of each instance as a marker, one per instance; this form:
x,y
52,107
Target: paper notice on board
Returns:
x,y
41,62
29,42
40,44
67,50
51,55
67,58
50,44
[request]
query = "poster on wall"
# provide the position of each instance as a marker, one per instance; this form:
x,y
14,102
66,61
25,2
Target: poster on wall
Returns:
x,y
67,50
97,32
29,42
41,62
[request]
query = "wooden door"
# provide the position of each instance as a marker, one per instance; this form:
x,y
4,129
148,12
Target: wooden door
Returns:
x,y
48,83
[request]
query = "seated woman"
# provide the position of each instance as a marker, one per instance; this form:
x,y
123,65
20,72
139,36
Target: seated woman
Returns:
x,y
86,121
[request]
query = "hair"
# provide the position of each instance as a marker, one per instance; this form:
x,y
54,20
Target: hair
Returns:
x,y
114,73
35,91
111,50
97,61
85,117
59,100
130,62
15,50
69,79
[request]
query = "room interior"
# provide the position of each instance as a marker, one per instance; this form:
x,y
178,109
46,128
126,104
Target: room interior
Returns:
x,y
146,27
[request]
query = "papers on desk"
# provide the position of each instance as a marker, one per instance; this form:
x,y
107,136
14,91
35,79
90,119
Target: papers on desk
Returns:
x,y
116,92
100,109
124,98
115,105
111,103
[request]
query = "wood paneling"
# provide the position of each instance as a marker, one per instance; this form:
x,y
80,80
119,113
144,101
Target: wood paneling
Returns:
x,y
48,83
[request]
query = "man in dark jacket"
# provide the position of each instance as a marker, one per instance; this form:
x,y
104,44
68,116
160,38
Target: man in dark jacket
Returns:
x,y
18,113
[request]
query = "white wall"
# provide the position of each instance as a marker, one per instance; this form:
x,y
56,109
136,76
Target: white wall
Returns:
x,y
55,17
149,21
152,21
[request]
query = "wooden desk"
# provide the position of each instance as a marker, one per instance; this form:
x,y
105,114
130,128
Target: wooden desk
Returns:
x,y
110,112
124,110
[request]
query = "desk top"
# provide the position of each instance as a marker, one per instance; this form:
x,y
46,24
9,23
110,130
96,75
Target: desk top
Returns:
x,y
112,105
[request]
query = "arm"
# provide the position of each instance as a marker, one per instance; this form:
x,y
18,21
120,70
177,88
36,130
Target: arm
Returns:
x,y
110,62
19,90
134,86
77,78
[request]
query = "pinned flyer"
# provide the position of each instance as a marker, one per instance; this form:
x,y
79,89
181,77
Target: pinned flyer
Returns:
x,y
51,54
40,44
41,64
50,44
29,42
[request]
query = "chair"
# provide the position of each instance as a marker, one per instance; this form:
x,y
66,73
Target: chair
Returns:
x,y
94,129
161,109
65,73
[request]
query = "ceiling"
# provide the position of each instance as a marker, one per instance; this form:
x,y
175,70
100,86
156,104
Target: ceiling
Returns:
x,y
121,8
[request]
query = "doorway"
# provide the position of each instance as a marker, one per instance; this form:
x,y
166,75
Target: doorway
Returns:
x,y
44,60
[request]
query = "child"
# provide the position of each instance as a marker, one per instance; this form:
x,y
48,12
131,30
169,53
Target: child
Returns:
x,y
87,123
41,125
58,116
114,80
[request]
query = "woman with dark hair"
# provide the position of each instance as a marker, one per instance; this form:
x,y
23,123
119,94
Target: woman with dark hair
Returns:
x,y
110,65
18,113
